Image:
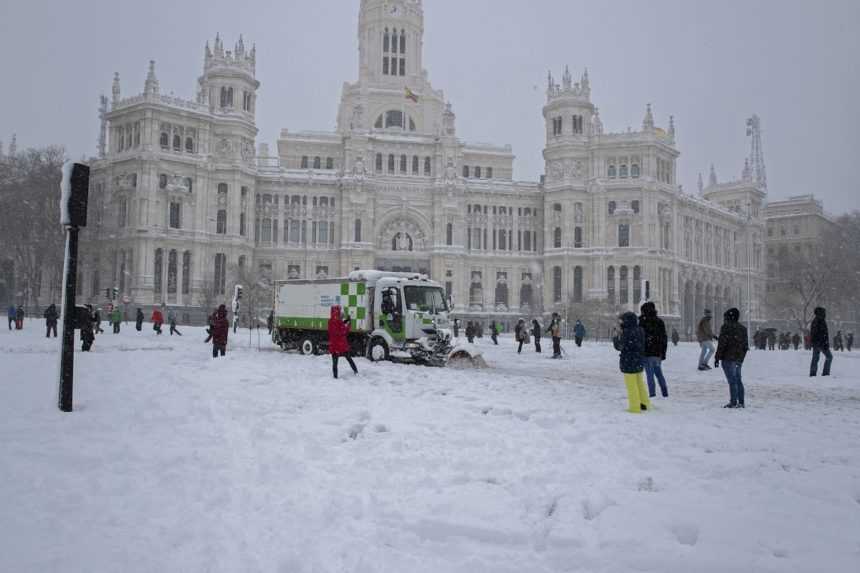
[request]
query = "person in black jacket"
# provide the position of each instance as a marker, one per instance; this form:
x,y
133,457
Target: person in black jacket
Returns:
x,y
536,331
656,342
820,340
631,343
51,316
87,326
732,348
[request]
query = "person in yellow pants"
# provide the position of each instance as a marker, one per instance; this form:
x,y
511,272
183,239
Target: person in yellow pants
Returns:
x,y
630,342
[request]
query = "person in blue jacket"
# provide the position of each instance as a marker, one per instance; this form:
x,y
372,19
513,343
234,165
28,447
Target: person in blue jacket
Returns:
x,y
11,314
630,342
578,333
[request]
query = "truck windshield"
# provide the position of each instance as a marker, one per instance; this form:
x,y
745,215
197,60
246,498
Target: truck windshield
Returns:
x,y
425,299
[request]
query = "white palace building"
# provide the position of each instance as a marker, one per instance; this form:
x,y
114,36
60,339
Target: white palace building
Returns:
x,y
183,200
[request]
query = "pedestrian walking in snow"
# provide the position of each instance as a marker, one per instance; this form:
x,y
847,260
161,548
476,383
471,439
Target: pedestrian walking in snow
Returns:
x,y
88,335
732,348
675,337
494,332
338,342
537,331
795,341
771,339
520,334
656,343
11,315
219,332
157,320
270,322
554,330
579,333
171,321
116,319
837,342
631,344
19,318
51,317
470,332
705,336
456,328
138,320
820,341
849,340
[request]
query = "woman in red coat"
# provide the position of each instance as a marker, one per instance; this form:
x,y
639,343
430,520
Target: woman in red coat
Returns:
x,y
338,345
157,320
219,331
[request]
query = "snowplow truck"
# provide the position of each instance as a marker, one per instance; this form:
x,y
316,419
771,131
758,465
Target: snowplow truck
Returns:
x,y
393,316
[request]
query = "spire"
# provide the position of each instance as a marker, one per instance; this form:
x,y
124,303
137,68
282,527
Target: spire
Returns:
x,y
700,184
567,79
585,84
550,81
116,89
648,122
219,46
712,177
207,52
240,47
151,85
672,126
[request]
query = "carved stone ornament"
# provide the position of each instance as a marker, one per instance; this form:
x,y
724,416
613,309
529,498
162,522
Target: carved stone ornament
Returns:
x,y
223,148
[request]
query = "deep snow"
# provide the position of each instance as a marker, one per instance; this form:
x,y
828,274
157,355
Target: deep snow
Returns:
x,y
173,461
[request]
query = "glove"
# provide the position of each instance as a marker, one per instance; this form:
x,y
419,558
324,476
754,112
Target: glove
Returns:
x,y
716,363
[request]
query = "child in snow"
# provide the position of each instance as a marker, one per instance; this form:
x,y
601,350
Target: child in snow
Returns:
x,y
219,331
157,320
732,348
631,344
338,345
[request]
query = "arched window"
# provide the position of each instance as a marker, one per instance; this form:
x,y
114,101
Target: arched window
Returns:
x,y
612,207
186,272
577,284
415,165
637,285
317,162
611,172
162,181
556,238
427,167
158,271
477,172
622,172
379,124
223,100
229,97
391,163
403,164
577,238
394,118
243,224
221,224
329,163
172,271
634,171
189,145
466,171
394,39
556,207
164,140
379,163
556,284
402,41
449,234
357,235
610,284
220,273
635,205
386,41
623,292
222,188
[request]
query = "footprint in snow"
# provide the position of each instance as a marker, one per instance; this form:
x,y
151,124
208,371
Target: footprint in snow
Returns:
x,y
356,431
647,484
686,533
592,508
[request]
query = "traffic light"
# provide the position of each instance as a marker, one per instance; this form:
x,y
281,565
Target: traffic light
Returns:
x,y
238,292
115,293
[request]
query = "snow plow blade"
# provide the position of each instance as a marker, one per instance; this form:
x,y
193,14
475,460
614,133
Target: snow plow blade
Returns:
x,y
466,358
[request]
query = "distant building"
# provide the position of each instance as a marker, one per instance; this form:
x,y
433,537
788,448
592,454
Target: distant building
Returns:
x,y
184,201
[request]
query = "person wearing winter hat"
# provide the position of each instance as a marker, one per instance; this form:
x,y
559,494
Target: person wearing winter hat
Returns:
x,y
705,336
631,344
732,348
820,340
338,342
656,342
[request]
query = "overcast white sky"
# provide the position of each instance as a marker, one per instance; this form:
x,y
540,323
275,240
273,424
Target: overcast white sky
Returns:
x,y
710,64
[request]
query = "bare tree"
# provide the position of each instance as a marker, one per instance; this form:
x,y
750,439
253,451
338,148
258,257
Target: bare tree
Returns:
x,y
598,316
31,236
256,294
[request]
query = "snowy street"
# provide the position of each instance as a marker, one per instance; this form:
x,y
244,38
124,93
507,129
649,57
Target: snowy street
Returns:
x,y
173,461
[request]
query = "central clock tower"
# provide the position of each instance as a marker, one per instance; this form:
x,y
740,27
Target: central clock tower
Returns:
x,y
391,41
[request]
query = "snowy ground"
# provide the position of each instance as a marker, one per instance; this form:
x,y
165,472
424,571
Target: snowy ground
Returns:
x,y
262,462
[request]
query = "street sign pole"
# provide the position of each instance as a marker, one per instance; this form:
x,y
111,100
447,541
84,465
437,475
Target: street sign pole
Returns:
x,y
67,356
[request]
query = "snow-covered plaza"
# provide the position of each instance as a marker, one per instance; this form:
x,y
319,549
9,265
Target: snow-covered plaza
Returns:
x,y
173,461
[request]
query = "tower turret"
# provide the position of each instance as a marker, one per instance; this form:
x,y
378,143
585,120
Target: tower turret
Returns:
x,y
648,121
229,82
115,89
568,112
391,40
150,87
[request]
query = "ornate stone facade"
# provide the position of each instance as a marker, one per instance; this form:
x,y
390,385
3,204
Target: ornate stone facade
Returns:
x,y
182,202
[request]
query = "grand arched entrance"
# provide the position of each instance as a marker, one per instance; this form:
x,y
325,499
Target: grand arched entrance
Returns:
x,y
402,246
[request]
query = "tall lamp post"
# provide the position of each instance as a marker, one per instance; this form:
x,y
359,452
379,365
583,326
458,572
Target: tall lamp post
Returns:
x,y
749,267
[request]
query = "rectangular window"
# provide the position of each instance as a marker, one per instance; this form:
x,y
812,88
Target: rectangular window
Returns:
x,y
489,172
186,272
175,215
220,273
123,212
221,223
402,66
623,235
556,284
158,271
385,66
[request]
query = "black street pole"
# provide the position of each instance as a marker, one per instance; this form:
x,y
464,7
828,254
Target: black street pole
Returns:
x,y
67,359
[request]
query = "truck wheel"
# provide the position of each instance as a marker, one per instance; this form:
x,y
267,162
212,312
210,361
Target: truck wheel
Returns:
x,y
378,350
308,347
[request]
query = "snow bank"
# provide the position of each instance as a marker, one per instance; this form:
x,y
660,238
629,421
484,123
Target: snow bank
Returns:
x,y
66,193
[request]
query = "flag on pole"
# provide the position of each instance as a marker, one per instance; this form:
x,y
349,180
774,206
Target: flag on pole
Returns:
x,y
411,95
